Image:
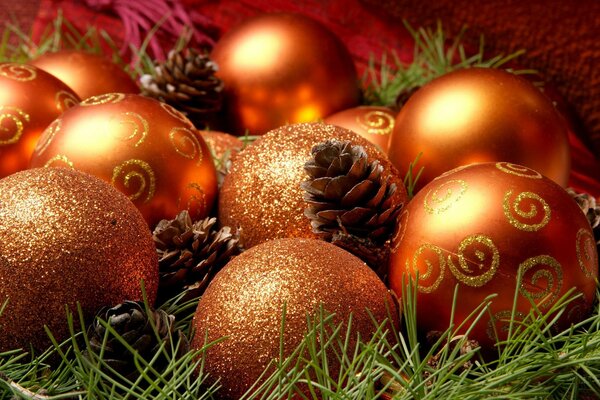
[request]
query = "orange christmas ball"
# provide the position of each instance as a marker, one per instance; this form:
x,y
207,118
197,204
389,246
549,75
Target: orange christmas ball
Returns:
x,y
30,99
87,74
67,238
372,122
222,145
145,148
481,227
244,304
480,115
283,68
261,195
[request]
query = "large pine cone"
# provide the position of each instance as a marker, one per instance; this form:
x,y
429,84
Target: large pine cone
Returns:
x,y
131,321
190,254
187,81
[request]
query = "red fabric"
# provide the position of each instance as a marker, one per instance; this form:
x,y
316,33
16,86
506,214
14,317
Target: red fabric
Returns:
x,y
362,29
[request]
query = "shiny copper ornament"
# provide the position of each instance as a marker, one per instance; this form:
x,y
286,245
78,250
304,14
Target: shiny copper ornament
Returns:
x,y
372,122
481,226
87,74
480,115
145,148
221,144
262,194
244,304
283,68
30,99
67,238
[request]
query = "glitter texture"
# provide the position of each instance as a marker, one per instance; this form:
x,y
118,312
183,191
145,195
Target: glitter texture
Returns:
x,y
67,237
262,194
244,303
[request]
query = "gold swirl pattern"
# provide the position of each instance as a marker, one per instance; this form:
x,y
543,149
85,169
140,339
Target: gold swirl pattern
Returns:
x,y
430,273
533,220
12,124
139,127
47,136
65,100
175,113
587,255
485,257
18,72
376,122
105,98
400,229
186,144
518,170
543,294
59,160
198,198
503,318
439,199
144,177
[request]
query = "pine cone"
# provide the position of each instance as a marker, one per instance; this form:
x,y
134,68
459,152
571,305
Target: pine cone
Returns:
x,y
187,81
131,321
590,208
351,202
190,254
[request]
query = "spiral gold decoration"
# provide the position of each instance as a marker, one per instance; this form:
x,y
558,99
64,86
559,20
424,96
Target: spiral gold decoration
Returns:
x,y
59,160
175,113
139,127
18,72
197,199
376,122
471,254
65,100
143,176
534,219
186,143
499,323
47,136
440,198
532,272
518,170
15,117
425,283
587,255
107,98
400,229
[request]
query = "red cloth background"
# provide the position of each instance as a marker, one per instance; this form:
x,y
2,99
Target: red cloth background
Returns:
x,y
561,39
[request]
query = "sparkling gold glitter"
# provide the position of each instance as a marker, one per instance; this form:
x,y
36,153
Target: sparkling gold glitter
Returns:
x,y
262,193
66,238
434,270
533,222
107,98
137,127
480,246
543,285
59,160
186,143
244,304
376,122
176,114
498,324
18,118
587,255
18,72
518,170
65,100
135,173
47,136
222,144
439,199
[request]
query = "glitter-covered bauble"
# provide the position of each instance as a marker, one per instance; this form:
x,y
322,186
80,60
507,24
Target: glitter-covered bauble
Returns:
x,y
481,227
283,68
222,145
30,99
373,122
244,304
87,74
261,195
67,238
145,148
480,115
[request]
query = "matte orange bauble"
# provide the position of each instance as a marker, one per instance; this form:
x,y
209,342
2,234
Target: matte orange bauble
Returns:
x,y
145,148
261,195
480,227
30,99
67,238
373,122
242,308
87,74
480,115
283,68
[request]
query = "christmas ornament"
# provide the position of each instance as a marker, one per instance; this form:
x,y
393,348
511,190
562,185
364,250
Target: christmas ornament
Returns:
x,y
478,115
481,227
244,304
351,201
134,324
145,148
191,253
283,68
187,81
591,209
87,74
30,99
224,148
67,238
262,196
374,123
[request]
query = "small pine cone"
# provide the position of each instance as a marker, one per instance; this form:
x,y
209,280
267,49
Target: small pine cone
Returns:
x,y
131,321
190,254
187,81
590,208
